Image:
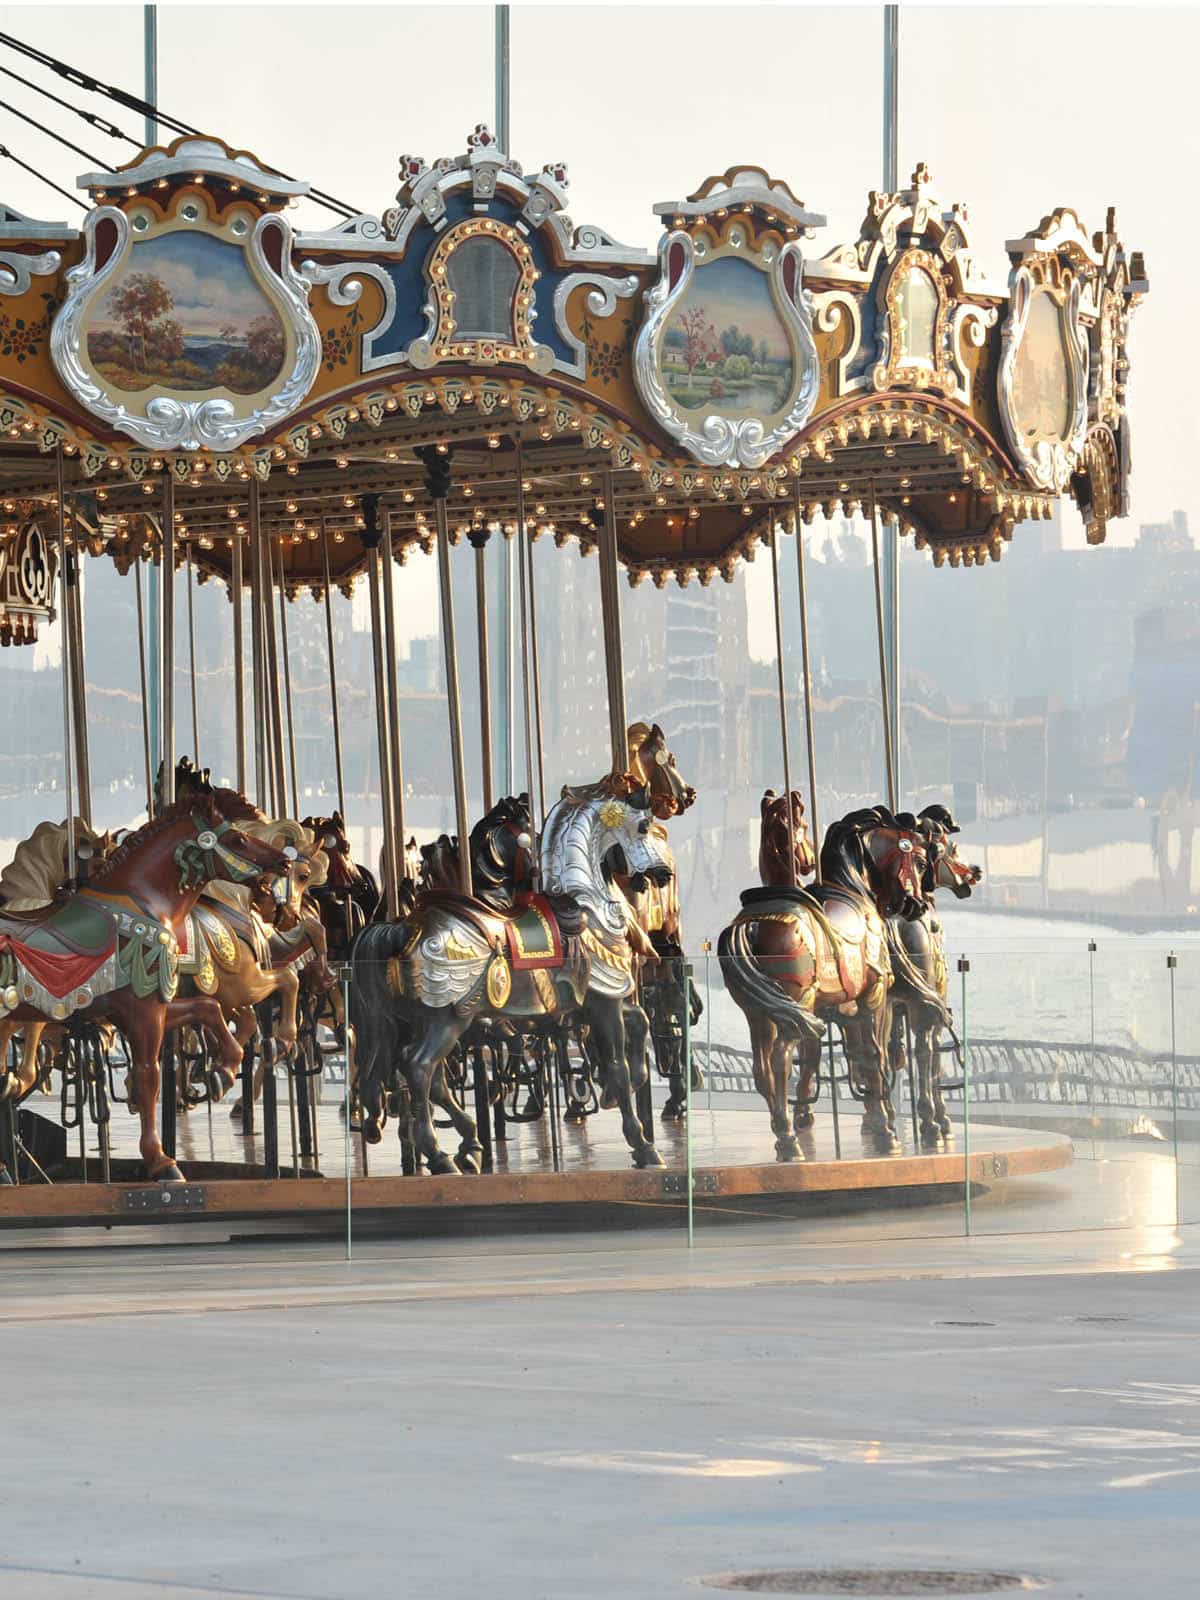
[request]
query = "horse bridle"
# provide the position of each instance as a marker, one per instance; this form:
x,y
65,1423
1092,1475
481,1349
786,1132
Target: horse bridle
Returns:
x,y
198,858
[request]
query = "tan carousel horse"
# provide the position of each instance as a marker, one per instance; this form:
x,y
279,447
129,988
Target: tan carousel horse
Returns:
x,y
793,957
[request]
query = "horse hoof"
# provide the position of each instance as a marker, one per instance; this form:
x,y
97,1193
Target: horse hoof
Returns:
x,y
467,1161
805,1118
168,1174
237,1112
6,1178
575,1115
442,1165
647,1156
673,1111
372,1132
931,1136
219,1084
788,1149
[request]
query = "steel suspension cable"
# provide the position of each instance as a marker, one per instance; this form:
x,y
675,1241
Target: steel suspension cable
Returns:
x,y
133,102
57,137
7,155
90,117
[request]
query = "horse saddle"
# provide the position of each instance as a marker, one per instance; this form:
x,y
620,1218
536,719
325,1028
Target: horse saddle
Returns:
x,y
534,936
62,945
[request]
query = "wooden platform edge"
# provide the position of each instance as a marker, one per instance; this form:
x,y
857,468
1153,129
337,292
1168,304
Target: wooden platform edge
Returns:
x,y
105,1204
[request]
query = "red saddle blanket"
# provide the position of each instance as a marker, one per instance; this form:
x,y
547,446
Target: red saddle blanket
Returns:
x,y
58,971
534,939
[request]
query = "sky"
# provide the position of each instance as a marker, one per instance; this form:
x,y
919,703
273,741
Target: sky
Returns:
x,y
1015,110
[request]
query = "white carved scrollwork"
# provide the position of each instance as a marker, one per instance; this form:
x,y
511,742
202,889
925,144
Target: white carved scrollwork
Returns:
x,y
1047,459
166,422
727,441
16,269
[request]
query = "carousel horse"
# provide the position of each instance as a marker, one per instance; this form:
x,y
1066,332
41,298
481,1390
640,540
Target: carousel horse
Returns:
x,y
793,956
657,930
247,943
349,897
421,983
110,951
32,880
919,964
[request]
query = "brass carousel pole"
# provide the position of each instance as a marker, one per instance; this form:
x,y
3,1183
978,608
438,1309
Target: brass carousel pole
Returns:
x,y
239,670
192,655
67,678
287,688
610,604
333,693
273,697
884,692
167,655
533,786
781,681
538,746
437,482
388,582
262,784
479,542
806,668
891,530
371,535
83,774
141,627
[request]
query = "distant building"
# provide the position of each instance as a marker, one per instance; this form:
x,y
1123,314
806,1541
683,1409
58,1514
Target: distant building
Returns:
x,y
1166,538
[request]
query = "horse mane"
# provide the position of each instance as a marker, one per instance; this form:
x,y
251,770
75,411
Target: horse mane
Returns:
x,y
217,805
844,852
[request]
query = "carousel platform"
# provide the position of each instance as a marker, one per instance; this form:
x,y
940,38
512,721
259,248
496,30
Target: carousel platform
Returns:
x,y
586,1166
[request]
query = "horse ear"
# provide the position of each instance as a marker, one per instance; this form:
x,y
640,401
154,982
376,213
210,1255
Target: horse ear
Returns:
x,y
768,800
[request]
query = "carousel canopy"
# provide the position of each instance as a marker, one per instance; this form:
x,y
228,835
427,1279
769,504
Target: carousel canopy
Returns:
x,y
736,376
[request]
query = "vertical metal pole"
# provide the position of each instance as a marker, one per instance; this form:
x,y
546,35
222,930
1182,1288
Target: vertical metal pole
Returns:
x,y
279,785
1172,964
454,704
287,688
192,656
891,532
532,786
884,693
538,746
64,630
781,679
239,670
806,667
79,681
508,556
388,580
610,603
153,590
333,693
168,641
479,542
146,742
502,79
261,782
392,847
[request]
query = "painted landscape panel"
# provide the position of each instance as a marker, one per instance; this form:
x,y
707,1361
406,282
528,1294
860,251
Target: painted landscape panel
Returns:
x,y
725,349
186,314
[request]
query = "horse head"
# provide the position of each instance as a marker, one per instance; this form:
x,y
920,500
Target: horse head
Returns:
x,y
342,871
871,853
651,763
439,863
217,849
784,832
308,869
628,843
946,871
503,858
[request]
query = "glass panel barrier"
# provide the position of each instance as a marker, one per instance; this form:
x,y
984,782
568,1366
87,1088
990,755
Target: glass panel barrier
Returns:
x,y
1070,1099
1183,983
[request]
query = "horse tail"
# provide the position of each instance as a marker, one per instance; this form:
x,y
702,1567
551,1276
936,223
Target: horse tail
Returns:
x,y
754,989
372,1003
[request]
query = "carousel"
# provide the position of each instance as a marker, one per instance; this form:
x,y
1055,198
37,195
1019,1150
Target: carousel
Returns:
x,y
474,365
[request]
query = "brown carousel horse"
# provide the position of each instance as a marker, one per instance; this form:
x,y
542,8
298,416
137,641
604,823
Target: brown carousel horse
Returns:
x,y
919,987
421,983
110,951
793,956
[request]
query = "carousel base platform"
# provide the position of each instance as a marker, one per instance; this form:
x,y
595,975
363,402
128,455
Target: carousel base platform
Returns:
x,y
590,1170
